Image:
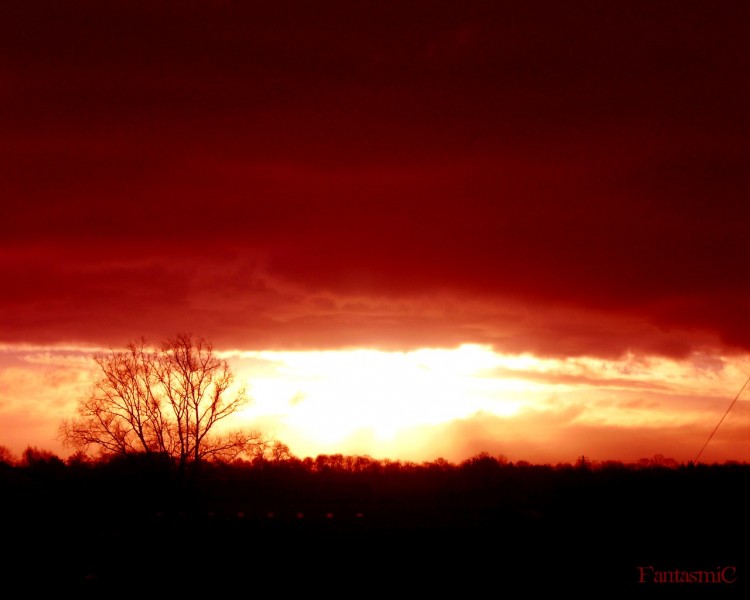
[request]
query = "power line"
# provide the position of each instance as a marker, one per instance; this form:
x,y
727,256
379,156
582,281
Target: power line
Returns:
x,y
722,419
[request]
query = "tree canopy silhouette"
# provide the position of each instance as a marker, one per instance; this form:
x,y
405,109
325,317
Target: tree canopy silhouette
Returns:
x,y
163,400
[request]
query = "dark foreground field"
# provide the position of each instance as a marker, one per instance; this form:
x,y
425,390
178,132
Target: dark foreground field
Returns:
x,y
480,529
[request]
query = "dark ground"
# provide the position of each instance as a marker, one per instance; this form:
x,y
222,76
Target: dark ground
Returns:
x,y
481,529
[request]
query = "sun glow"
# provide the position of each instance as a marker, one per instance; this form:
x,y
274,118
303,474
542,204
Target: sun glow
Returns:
x,y
332,394
375,401
420,404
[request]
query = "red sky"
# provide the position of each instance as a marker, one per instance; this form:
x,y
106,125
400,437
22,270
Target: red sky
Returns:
x,y
556,178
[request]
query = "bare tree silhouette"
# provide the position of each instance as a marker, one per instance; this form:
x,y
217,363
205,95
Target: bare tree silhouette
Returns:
x,y
164,401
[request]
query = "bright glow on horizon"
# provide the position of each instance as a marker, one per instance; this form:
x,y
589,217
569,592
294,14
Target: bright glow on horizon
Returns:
x,y
432,402
346,400
331,394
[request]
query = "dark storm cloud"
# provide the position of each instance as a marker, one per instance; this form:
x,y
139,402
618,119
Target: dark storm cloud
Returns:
x,y
225,167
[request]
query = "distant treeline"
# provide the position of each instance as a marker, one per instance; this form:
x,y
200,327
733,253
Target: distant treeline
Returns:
x,y
83,523
279,485
279,455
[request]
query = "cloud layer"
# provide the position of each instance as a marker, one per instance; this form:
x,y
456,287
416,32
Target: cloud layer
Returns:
x,y
563,180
